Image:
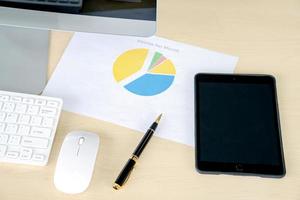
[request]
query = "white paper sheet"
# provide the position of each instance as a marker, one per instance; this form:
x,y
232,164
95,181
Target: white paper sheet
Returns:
x,y
85,80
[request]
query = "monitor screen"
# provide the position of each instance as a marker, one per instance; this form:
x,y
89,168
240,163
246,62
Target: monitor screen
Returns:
x,y
129,17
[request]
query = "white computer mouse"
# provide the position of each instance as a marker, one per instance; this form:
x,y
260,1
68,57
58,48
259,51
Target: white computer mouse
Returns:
x,y
76,161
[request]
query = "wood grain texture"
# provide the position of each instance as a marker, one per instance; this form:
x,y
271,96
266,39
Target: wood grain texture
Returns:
x,y
265,34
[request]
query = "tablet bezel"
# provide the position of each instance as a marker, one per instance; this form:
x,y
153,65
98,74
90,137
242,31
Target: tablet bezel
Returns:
x,y
238,168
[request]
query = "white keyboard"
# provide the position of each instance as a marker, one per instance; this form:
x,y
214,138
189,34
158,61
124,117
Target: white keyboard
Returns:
x,y
27,127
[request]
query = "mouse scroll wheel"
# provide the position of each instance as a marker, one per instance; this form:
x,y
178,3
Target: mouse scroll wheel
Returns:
x,y
81,140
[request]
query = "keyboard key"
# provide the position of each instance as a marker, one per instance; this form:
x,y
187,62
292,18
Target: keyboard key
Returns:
x,y
11,118
53,103
40,132
4,98
16,99
28,101
40,102
33,110
2,127
47,111
14,140
24,119
2,116
11,129
12,154
38,157
3,138
36,121
48,122
2,150
8,107
23,130
21,108
26,153
34,142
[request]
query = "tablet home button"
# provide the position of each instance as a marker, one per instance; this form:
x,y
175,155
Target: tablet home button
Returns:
x,y
239,167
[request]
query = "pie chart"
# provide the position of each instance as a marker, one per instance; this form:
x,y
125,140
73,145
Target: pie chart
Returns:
x,y
144,72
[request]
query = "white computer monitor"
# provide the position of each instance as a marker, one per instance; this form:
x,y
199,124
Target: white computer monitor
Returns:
x,y
25,25
127,17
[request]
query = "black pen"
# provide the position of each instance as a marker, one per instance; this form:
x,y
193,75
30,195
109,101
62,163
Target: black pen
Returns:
x,y
125,173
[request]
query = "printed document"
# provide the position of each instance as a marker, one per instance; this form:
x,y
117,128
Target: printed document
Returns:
x,y
129,81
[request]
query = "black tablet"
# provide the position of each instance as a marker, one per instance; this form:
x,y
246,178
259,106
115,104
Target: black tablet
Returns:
x,y
237,127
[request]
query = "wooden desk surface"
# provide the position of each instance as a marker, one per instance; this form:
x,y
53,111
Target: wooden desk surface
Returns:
x,y
265,34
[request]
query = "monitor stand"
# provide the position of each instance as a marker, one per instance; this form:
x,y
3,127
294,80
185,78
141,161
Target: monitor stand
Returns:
x,y
23,59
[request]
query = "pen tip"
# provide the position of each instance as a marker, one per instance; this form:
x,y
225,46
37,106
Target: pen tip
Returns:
x,y
158,118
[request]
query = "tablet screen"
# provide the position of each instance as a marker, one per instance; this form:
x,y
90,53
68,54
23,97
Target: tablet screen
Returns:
x,y
237,125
